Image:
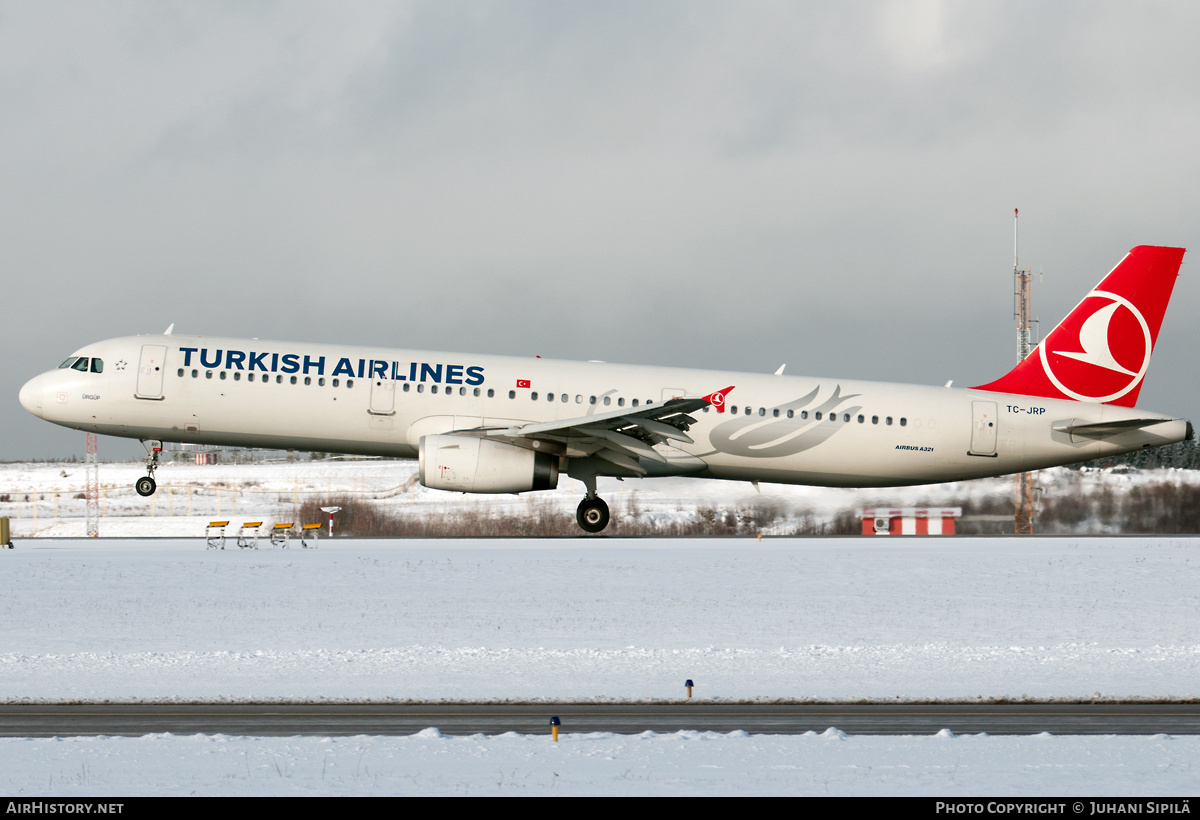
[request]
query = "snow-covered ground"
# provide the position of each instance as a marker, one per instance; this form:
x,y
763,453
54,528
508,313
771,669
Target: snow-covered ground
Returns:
x,y
48,499
601,619
593,619
682,763
580,619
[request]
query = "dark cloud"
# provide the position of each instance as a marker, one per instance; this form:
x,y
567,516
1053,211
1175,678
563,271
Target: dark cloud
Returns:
x,y
701,184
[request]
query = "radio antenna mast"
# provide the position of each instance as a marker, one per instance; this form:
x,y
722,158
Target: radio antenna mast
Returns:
x,y
1021,312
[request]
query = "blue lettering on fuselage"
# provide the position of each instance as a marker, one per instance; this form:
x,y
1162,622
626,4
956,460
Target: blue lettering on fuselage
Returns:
x,y
275,362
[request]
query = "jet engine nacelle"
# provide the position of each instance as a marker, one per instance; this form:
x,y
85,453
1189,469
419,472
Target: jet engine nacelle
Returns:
x,y
469,464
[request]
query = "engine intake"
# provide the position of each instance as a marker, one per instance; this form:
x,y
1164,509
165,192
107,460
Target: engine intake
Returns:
x,y
469,464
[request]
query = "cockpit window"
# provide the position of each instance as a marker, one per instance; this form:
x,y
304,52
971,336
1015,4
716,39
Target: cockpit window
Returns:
x,y
81,364
68,362
97,365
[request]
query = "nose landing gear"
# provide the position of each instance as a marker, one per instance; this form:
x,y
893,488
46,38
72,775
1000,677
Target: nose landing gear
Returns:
x,y
145,486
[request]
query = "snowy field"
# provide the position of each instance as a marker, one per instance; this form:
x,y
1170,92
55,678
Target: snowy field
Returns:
x,y
47,499
682,763
153,615
601,620
597,619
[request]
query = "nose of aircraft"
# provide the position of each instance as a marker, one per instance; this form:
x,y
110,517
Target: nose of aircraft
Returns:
x,y
31,395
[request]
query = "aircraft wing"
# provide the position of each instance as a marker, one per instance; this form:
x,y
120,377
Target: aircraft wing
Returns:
x,y
621,437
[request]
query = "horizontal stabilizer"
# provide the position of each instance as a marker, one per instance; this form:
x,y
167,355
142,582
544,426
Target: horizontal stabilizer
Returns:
x,y
1103,429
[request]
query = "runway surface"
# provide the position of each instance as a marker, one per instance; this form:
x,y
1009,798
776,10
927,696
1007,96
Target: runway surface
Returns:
x,y
467,719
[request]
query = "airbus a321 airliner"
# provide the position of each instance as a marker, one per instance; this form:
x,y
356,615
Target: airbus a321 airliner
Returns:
x,y
500,424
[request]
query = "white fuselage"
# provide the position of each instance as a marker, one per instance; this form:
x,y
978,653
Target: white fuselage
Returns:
x,y
785,429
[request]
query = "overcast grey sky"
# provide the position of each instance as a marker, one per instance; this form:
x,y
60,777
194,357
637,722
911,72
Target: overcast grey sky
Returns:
x,y
727,185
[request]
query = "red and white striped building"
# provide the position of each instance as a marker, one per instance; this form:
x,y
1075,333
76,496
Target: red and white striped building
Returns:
x,y
909,520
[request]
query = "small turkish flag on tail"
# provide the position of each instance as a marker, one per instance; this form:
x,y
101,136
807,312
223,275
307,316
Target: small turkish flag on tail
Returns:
x,y
717,399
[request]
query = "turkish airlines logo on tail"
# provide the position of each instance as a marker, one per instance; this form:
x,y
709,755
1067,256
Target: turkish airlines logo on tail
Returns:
x,y
1099,353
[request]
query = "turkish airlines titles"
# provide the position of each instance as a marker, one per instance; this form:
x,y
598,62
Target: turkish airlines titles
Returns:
x,y
361,368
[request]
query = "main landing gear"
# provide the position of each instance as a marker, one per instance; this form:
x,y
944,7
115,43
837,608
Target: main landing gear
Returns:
x,y
145,486
592,514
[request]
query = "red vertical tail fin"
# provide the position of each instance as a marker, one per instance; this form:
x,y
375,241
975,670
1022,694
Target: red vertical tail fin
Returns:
x,y
1101,351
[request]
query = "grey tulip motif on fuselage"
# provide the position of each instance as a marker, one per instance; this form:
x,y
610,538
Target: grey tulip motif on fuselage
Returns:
x,y
772,437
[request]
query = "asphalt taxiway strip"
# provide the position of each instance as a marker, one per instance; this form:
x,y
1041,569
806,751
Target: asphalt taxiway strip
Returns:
x,y
63,720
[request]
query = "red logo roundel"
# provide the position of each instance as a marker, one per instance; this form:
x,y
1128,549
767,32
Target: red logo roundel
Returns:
x,y
1101,351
